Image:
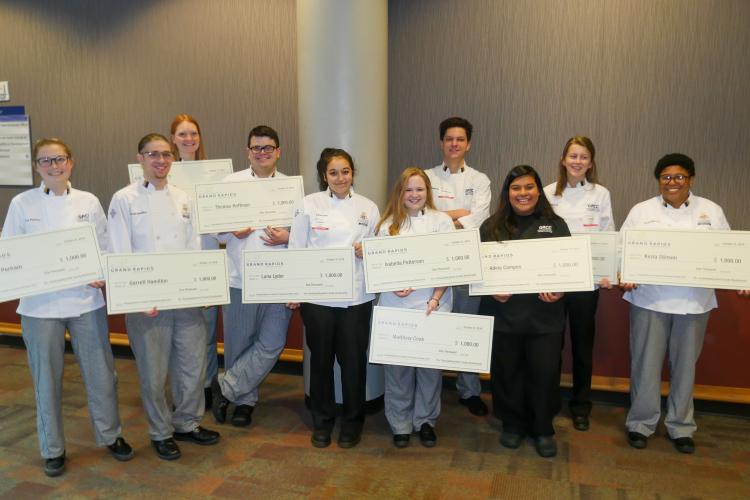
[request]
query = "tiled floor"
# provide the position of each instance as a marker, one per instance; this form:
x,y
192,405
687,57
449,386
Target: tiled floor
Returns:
x,y
273,457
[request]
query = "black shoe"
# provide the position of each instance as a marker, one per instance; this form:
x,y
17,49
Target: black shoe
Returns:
x,y
199,435
54,467
475,405
167,449
121,450
427,435
684,444
219,403
545,446
349,438
511,440
401,440
637,440
208,397
321,438
580,423
243,415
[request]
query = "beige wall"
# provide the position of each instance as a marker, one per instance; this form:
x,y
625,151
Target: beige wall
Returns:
x,y
641,77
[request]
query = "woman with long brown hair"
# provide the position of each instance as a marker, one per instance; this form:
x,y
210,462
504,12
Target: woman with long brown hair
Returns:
x,y
528,327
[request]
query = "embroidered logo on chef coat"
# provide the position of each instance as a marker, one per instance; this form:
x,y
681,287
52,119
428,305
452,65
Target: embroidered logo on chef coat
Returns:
x,y
138,212
363,220
83,217
443,194
185,211
704,220
320,221
469,192
32,219
592,207
544,229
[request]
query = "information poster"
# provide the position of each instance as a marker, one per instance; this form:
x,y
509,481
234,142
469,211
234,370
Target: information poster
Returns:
x,y
15,151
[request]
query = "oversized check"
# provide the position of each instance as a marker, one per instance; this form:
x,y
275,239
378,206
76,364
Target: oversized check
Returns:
x,y
537,265
36,263
231,206
298,275
421,260
446,341
604,261
186,174
138,282
704,259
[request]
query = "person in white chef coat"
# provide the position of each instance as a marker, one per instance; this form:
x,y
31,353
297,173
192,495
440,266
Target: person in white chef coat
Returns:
x,y
54,205
585,206
151,216
187,145
337,217
254,334
412,394
669,319
463,193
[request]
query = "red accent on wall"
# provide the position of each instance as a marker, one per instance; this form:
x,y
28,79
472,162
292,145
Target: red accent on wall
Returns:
x,y
723,361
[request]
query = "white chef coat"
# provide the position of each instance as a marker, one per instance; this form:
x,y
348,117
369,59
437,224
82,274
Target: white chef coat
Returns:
x,y
468,188
326,221
144,219
431,221
235,246
585,207
695,213
39,210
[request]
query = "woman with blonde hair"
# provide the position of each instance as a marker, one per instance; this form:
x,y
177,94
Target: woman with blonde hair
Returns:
x,y
412,394
585,206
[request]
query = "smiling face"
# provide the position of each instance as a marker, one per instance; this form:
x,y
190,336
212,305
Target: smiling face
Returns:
x,y
577,161
157,164
263,164
57,174
455,145
187,139
415,195
339,176
673,191
523,194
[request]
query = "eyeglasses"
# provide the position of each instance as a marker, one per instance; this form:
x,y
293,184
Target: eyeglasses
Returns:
x,y
47,161
679,178
262,149
155,155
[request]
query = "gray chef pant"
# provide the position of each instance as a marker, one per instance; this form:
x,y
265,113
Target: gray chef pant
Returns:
x,y
412,397
172,343
45,347
211,317
651,335
467,384
254,336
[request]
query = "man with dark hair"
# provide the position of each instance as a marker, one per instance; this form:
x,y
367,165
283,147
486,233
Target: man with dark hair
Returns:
x,y
464,194
254,334
669,319
152,216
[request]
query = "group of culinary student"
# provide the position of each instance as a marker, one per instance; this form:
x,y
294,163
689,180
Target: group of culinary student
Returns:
x,y
180,345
